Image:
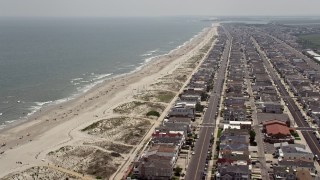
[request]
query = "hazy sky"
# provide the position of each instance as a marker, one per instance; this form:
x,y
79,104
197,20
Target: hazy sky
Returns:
x,y
90,8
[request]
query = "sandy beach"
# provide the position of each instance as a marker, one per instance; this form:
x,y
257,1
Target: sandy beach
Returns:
x,y
102,127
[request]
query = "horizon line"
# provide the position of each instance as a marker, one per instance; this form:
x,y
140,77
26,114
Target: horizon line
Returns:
x,y
159,16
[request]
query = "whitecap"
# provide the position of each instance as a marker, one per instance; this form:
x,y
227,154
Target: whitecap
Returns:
x,y
101,76
153,51
150,58
76,79
147,54
10,121
33,109
38,106
43,103
150,53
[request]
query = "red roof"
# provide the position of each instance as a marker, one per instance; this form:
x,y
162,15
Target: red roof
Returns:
x,y
277,128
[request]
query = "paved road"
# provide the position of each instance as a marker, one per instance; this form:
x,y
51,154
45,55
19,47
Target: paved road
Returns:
x,y
306,128
197,164
310,138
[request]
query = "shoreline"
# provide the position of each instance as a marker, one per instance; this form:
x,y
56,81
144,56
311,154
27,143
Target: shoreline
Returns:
x,y
59,125
41,109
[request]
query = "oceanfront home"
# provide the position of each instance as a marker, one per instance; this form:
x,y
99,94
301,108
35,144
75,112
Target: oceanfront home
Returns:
x,y
189,98
182,110
156,163
175,138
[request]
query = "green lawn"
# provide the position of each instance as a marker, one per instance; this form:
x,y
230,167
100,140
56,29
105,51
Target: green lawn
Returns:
x,y
310,41
220,132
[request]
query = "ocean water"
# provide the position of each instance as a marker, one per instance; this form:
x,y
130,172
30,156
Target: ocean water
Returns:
x,y
46,61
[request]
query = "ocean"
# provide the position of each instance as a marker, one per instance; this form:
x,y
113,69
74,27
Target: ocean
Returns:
x,y
45,61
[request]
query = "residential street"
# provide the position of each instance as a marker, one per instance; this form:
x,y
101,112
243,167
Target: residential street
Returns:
x,y
197,164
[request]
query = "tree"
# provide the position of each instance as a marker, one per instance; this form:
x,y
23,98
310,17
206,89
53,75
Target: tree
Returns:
x,y
294,133
252,136
177,171
204,96
189,142
209,87
218,146
199,107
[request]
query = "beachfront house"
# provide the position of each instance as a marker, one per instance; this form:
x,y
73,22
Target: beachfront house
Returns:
x,y
156,163
182,110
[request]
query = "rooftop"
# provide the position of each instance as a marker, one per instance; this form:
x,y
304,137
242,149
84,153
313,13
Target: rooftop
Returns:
x,y
262,117
277,128
297,163
163,148
303,174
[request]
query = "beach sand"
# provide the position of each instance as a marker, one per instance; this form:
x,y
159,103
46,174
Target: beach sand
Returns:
x,y
28,144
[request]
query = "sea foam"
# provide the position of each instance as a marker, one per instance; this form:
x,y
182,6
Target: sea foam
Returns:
x,y
150,53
